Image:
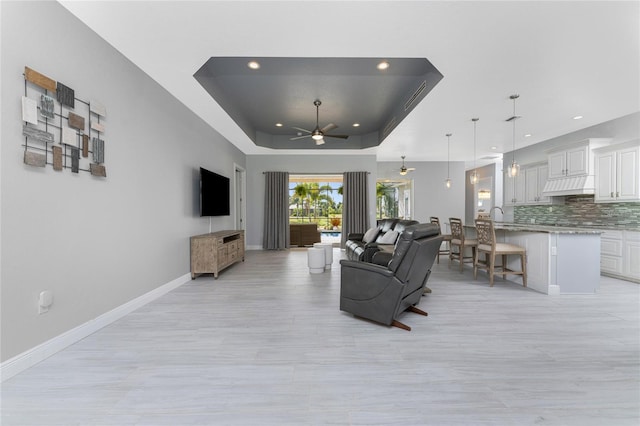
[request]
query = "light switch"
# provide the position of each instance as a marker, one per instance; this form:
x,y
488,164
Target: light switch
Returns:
x,y
45,300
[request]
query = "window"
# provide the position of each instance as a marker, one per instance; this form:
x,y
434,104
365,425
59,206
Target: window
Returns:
x,y
316,199
393,199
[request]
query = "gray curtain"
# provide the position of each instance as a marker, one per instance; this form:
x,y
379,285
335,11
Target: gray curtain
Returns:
x,y
354,207
276,211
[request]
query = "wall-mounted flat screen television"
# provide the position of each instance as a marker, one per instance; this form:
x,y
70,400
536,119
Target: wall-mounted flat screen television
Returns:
x,y
214,194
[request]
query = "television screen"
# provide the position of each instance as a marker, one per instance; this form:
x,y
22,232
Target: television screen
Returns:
x,y
214,194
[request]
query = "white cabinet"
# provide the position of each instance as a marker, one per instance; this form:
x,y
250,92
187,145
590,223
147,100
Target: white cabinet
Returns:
x,y
611,252
526,188
631,254
619,254
569,162
514,189
617,171
535,178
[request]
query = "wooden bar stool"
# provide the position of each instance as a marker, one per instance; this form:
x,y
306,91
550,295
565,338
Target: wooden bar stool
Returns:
x,y
446,240
458,240
487,244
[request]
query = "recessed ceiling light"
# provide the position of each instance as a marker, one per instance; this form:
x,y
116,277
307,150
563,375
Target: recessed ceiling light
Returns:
x,y
577,117
494,147
528,135
254,65
356,124
278,124
383,65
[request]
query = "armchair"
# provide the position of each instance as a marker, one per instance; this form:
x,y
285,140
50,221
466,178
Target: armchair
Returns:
x,y
382,292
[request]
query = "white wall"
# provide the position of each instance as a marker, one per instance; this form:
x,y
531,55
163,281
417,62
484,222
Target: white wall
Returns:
x,y
95,243
298,164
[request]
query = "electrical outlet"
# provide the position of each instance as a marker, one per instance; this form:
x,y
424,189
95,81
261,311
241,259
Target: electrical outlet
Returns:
x,y
550,209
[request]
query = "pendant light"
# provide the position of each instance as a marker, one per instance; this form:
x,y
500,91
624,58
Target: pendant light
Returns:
x,y
473,177
448,181
514,168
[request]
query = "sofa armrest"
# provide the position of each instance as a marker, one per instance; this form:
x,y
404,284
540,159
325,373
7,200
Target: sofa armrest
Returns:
x,y
382,258
367,267
355,236
363,281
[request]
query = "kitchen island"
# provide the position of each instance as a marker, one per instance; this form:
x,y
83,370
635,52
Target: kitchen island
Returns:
x,y
560,260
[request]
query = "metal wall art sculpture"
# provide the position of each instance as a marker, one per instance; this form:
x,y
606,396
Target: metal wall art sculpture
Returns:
x,y
57,136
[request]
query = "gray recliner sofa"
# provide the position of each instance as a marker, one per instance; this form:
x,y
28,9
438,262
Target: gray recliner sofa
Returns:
x,y
362,246
381,293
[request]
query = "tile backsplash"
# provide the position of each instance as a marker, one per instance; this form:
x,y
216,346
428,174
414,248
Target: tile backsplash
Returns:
x,y
580,210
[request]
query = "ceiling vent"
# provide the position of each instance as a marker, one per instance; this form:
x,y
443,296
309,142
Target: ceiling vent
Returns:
x,y
415,95
390,126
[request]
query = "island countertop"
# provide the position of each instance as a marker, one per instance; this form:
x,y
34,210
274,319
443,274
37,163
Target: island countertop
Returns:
x,y
522,227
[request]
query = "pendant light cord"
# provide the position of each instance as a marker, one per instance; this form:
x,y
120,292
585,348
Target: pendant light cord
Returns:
x,y
448,152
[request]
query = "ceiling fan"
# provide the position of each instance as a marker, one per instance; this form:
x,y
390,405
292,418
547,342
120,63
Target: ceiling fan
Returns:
x,y
404,169
318,133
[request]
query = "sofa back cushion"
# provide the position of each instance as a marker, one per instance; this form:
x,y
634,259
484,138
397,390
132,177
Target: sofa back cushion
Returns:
x,y
370,235
388,237
385,225
413,232
402,224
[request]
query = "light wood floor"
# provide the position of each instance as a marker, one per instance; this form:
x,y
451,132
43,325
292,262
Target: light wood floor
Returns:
x,y
266,344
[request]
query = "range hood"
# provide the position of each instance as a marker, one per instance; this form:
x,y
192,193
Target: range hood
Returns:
x,y
575,185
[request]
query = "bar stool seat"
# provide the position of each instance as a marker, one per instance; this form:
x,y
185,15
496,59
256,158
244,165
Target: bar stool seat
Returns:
x,y
488,246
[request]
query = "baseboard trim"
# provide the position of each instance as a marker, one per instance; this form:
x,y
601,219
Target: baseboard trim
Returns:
x,y
39,353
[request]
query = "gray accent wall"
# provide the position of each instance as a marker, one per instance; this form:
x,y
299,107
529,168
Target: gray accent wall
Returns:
x,y
430,195
95,243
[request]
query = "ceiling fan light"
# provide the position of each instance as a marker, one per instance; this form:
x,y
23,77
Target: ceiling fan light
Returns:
x,y
319,141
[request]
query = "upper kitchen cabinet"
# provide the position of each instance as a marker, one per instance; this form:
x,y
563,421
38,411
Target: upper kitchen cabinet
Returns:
x,y
571,168
535,178
514,189
618,173
569,162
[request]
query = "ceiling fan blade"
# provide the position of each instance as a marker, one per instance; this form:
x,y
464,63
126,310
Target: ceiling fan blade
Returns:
x,y
329,127
410,169
301,129
299,137
337,136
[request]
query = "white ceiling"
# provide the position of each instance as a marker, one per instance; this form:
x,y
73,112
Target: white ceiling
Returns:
x,y
564,58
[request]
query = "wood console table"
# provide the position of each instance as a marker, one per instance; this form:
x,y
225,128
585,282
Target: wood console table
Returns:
x,y
211,253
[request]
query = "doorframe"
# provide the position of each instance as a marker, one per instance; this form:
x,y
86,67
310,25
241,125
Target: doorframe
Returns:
x,y
240,196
